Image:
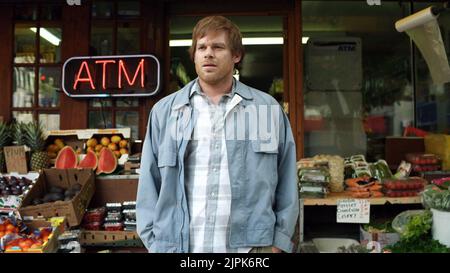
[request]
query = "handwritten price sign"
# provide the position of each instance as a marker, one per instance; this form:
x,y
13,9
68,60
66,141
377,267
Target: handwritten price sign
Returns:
x,y
353,211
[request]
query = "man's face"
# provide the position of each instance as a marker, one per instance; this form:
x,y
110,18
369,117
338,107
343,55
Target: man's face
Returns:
x,y
213,59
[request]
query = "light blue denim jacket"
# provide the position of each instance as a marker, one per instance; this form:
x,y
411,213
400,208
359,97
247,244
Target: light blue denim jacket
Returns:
x,y
262,170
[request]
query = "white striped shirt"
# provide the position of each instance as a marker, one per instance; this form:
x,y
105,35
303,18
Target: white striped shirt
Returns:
x,y
207,180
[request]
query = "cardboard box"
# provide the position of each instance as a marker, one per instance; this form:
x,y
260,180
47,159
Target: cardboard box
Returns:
x,y
383,238
77,138
52,245
112,190
74,209
439,144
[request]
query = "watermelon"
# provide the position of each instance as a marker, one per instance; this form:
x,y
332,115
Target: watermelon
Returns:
x,y
90,161
107,161
66,159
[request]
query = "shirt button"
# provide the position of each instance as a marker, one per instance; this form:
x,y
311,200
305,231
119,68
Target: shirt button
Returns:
x,y
215,169
217,146
212,194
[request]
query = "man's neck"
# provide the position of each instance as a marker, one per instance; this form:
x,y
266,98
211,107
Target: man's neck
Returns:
x,y
216,91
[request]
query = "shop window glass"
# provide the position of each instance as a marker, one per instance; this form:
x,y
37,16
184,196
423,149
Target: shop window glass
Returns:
x,y
262,67
102,40
128,41
51,12
432,100
25,12
49,86
357,77
128,9
102,9
100,102
49,121
23,116
128,119
36,80
50,45
100,119
23,86
127,102
115,30
25,44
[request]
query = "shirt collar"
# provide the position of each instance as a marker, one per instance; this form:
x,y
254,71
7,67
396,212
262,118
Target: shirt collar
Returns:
x,y
196,89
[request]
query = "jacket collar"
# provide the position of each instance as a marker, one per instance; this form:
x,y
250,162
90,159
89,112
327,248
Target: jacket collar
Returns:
x,y
183,95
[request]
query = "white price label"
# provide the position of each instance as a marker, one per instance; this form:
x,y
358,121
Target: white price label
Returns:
x,y
353,211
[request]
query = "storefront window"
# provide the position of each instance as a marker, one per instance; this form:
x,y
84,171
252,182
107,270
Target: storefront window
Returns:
x,y
49,86
23,87
357,77
102,9
128,119
36,81
128,39
100,102
116,30
49,121
25,44
432,100
100,119
23,116
128,102
51,12
262,67
25,12
50,45
102,39
128,9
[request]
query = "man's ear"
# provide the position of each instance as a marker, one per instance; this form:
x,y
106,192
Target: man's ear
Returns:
x,y
237,58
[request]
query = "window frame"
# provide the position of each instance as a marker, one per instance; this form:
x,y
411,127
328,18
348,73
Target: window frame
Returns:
x,y
39,23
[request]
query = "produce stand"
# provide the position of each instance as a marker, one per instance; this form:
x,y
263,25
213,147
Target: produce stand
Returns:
x,y
333,198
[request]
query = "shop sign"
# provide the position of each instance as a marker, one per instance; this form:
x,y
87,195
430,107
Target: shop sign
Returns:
x,y
353,211
15,159
111,76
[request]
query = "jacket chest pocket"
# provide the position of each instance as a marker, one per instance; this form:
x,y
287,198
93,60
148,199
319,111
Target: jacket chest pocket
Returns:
x,y
264,147
263,158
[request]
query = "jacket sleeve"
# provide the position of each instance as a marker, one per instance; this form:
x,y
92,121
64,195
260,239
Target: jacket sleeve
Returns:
x,y
286,197
149,183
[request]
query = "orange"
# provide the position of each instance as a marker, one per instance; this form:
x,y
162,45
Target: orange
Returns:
x,y
10,227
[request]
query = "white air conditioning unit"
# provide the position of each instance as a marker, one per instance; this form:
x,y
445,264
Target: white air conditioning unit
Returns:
x,y
333,64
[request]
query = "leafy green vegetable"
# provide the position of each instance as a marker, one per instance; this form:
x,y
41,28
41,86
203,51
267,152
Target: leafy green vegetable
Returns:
x,y
419,245
436,198
376,226
418,226
417,237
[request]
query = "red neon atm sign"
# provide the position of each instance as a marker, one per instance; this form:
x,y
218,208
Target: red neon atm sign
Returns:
x,y
111,76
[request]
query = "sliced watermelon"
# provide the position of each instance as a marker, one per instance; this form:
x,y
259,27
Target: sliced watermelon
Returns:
x,y
107,161
66,159
90,161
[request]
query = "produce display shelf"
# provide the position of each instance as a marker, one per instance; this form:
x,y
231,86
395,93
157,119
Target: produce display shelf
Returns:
x,y
332,198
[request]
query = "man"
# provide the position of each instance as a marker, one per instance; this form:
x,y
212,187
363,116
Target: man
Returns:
x,y
213,177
